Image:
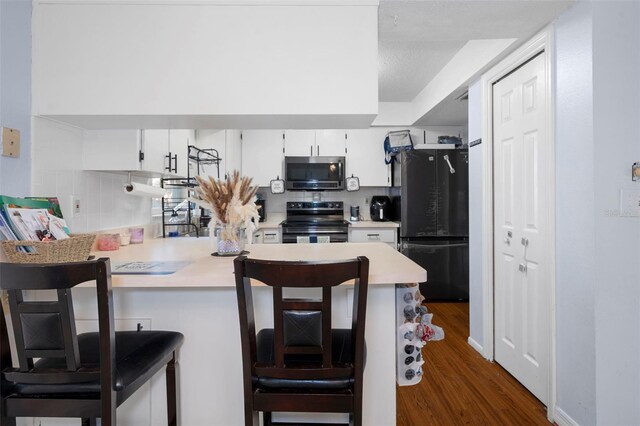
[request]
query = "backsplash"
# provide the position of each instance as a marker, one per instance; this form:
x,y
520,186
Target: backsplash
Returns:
x,y
276,203
57,171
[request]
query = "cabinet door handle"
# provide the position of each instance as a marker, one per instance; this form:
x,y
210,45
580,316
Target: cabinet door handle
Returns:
x,y
318,150
169,157
311,150
175,163
373,236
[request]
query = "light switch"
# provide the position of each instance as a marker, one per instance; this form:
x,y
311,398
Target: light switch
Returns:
x,y
629,202
10,142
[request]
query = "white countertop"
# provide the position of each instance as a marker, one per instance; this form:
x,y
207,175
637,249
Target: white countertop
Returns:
x,y
386,265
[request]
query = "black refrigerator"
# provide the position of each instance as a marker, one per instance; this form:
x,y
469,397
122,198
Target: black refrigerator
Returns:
x,y
433,207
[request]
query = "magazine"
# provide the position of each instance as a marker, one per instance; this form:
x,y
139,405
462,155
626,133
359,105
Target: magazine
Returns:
x,y
36,224
5,231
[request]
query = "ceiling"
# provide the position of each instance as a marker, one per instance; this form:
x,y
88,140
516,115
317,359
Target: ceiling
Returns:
x,y
418,38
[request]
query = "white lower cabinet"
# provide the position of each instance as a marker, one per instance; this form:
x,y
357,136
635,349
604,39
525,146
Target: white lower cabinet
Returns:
x,y
374,235
267,236
272,235
136,411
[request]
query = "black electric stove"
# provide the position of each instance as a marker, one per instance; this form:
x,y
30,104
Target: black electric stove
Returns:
x,y
315,222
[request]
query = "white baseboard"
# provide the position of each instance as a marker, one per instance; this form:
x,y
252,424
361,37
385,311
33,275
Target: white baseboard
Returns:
x,y
563,419
475,345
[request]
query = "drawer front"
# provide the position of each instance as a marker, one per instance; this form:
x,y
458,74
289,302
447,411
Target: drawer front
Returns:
x,y
373,235
271,236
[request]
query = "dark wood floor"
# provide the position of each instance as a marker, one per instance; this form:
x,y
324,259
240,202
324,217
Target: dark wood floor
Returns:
x,y
459,387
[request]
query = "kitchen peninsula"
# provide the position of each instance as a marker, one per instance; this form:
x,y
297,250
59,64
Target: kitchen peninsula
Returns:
x,y
199,300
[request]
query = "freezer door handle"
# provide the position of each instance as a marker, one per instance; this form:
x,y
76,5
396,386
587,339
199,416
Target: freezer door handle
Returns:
x,y
451,169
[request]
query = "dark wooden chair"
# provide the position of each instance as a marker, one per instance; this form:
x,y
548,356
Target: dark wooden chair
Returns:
x,y
302,364
87,375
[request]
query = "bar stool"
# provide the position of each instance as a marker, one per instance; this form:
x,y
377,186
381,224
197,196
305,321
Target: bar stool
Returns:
x,y
302,364
87,375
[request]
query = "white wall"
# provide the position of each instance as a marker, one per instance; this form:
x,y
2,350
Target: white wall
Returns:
x,y
616,126
576,262
57,162
200,60
597,120
476,203
15,92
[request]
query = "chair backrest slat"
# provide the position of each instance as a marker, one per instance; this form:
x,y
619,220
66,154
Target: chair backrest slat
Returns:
x,y
302,327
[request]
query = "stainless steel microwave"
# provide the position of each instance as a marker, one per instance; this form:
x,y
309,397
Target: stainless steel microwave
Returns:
x,y
314,173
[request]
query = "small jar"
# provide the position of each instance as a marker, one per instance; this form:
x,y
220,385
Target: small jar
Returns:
x,y
108,242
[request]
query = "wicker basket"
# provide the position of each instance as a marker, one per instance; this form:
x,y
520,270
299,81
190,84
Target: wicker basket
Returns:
x,y
74,249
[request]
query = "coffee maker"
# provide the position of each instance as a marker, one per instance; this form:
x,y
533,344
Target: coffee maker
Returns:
x,y
355,214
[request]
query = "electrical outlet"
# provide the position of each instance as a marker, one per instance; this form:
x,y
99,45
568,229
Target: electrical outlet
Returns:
x,y
76,205
367,201
629,202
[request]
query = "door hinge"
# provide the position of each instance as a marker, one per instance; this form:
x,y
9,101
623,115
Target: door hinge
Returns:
x,y
140,156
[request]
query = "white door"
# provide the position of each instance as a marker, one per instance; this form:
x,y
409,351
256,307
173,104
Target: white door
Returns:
x,y
299,143
521,231
330,143
262,156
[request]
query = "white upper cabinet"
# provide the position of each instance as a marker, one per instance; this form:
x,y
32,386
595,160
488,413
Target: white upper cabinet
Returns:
x,y
111,150
299,143
233,151
313,143
155,145
330,143
157,151
262,155
179,140
365,157
125,150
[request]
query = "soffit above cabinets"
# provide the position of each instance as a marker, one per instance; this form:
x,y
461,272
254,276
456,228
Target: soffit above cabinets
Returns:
x,y
124,64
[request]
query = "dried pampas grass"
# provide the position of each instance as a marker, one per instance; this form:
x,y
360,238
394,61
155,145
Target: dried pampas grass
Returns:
x,y
232,200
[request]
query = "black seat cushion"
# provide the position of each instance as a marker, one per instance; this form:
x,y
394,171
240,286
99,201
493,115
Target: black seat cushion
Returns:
x,y
341,354
138,353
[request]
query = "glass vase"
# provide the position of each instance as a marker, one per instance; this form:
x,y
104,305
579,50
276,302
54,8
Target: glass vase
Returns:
x,y
230,239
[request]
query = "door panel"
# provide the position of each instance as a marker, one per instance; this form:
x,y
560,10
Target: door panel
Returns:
x,y
262,156
419,189
453,196
299,143
521,231
446,262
